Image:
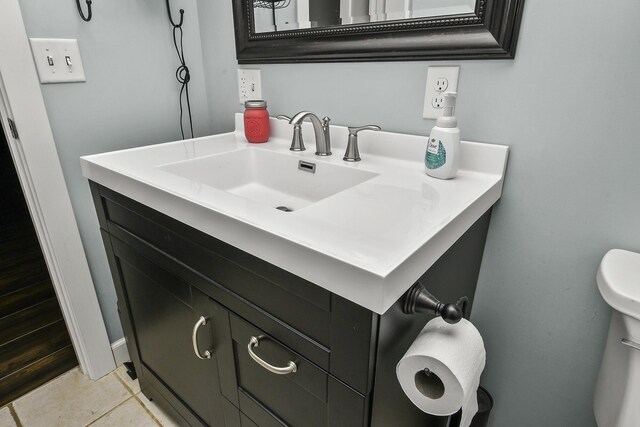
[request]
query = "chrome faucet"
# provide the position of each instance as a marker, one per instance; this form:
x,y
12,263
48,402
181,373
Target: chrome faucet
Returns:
x,y
320,128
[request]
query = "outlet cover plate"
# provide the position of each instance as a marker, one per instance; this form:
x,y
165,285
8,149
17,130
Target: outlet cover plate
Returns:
x,y
58,60
439,80
249,84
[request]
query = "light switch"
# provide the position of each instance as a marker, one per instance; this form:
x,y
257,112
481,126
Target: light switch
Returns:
x,y
58,60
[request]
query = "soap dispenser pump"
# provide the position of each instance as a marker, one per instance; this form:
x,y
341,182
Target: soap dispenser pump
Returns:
x,y
443,147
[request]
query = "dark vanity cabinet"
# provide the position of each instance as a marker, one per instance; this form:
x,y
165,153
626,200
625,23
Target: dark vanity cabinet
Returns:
x,y
219,337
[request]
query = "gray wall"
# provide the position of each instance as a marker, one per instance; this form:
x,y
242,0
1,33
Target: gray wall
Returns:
x,y
130,98
567,105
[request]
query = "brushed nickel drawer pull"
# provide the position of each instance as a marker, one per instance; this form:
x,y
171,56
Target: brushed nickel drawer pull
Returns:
x,y
630,343
290,368
194,339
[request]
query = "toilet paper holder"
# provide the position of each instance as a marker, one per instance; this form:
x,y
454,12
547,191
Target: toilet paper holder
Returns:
x,y
419,300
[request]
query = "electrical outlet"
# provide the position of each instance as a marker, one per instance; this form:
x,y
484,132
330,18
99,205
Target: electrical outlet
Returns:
x,y
58,60
249,84
441,84
438,101
439,81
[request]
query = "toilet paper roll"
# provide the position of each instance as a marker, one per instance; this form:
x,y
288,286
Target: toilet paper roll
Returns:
x,y
440,372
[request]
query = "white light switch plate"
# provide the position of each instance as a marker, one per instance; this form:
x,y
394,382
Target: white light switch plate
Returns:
x,y
249,84
439,81
58,60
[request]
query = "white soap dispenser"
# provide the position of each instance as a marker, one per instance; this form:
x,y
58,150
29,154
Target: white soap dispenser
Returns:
x,y
443,148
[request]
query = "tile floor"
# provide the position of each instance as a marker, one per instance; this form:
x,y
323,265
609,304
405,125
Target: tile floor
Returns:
x,y
73,400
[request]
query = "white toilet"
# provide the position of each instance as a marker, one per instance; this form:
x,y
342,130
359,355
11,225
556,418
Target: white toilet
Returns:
x,y
617,396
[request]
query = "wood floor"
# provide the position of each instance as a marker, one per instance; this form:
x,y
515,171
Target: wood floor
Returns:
x,y
34,342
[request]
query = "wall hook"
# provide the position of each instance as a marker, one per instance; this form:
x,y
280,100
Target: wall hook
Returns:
x,y
179,24
86,18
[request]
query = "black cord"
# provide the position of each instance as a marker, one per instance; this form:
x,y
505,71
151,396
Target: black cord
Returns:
x,y
182,73
89,14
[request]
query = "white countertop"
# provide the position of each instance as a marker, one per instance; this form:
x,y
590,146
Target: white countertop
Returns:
x,y
368,244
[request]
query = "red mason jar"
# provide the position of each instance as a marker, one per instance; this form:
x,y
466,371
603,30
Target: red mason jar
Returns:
x,y
256,121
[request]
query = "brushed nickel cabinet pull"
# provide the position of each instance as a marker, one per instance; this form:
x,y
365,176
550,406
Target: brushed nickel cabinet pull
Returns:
x,y
290,368
194,339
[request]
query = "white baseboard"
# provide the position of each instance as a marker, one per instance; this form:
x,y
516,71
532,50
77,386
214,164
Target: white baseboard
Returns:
x,y
120,351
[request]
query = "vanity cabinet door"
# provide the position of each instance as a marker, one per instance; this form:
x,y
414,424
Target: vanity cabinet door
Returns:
x,y
167,321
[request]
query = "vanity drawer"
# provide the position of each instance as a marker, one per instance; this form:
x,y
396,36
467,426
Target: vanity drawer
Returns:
x,y
308,397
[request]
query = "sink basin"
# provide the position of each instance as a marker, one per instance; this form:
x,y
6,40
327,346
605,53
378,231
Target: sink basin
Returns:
x,y
269,178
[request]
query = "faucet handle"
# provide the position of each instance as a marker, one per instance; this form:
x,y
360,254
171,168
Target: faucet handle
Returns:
x,y
353,154
297,144
355,130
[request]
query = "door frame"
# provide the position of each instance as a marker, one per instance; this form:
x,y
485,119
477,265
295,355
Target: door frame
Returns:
x,y
40,172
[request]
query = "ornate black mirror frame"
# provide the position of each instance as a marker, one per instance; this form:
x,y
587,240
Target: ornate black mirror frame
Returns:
x,y
491,32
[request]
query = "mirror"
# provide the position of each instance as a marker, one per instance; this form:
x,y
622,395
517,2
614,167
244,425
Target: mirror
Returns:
x,y
272,31
283,15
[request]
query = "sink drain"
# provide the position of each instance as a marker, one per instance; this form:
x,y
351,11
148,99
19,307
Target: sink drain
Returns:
x,y
284,209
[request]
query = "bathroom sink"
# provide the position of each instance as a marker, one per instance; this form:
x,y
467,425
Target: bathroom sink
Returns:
x,y
365,231
279,180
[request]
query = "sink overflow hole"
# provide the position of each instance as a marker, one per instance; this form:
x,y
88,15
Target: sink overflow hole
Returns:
x,y
284,209
307,166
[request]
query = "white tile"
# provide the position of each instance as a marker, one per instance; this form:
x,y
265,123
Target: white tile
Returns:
x,y
133,385
164,418
70,400
6,420
129,414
